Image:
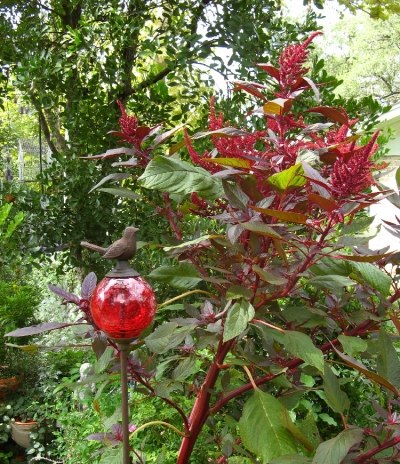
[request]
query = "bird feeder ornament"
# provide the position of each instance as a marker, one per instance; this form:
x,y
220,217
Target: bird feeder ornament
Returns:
x,y
123,305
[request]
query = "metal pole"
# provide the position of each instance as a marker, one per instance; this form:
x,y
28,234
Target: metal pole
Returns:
x,y
40,156
124,350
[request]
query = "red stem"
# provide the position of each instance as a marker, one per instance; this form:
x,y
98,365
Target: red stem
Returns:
x,y
200,409
387,444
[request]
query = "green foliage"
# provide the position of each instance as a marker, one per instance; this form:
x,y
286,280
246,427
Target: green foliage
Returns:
x,y
178,177
18,304
334,450
265,427
239,315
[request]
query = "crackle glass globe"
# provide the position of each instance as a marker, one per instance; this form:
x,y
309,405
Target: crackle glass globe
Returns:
x,y
123,307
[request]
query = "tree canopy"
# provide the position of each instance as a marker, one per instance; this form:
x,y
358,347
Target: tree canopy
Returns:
x,y
365,56
376,9
73,59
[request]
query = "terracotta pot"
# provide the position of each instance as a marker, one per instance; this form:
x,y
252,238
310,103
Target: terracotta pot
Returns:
x,y
8,385
20,432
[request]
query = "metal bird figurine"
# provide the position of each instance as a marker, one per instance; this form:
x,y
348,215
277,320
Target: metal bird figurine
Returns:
x,y
122,249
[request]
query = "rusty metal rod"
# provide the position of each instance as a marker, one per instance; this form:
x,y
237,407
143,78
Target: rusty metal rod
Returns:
x,y
124,350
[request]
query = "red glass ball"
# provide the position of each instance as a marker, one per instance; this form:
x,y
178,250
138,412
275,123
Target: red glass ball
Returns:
x,y
123,307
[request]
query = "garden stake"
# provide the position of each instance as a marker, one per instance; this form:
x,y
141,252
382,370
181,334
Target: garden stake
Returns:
x,y
122,306
123,346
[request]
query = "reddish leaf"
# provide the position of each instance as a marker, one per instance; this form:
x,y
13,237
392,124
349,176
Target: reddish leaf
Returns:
x,y
165,136
88,285
324,203
223,132
363,258
67,296
249,88
321,183
288,216
40,328
113,177
358,366
142,131
396,322
333,114
271,70
111,153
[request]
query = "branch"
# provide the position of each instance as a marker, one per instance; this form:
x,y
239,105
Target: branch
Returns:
x,y
385,445
129,52
292,364
44,125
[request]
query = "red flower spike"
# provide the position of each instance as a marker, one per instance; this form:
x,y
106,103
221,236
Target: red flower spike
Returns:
x,y
351,175
197,159
123,307
131,132
291,64
233,147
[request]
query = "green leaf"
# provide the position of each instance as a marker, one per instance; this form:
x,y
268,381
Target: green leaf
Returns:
x,y
184,369
329,266
182,275
238,317
397,177
263,427
235,194
166,337
373,276
104,360
289,178
237,291
271,277
353,345
388,364
328,419
176,176
4,212
335,450
121,192
309,428
112,456
192,242
231,162
291,459
18,218
357,225
261,229
335,397
300,345
331,282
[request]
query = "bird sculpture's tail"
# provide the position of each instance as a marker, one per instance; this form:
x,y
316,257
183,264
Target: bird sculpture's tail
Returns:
x,y
93,247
